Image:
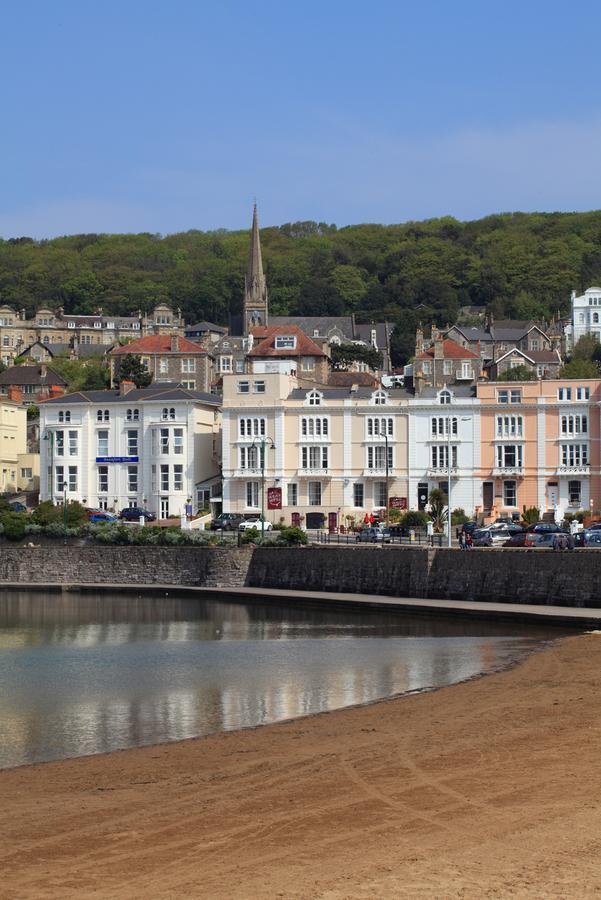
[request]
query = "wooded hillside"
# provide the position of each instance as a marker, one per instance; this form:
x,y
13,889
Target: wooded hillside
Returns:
x,y
518,265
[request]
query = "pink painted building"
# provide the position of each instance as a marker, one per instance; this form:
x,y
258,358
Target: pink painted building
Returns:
x,y
540,445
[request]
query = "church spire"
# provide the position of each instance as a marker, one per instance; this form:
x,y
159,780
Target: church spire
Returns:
x,y
255,286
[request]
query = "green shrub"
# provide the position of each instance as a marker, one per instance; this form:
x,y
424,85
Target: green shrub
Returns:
x,y
47,513
292,536
250,536
415,518
13,526
458,517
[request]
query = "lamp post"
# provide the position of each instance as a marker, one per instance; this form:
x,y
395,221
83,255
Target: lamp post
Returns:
x,y
64,512
261,443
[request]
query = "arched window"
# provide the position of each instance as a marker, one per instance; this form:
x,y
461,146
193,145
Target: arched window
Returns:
x,y
314,398
444,398
168,412
132,415
102,415
379,398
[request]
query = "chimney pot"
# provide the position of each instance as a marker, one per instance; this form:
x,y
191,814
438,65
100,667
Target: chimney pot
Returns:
x,y
125,387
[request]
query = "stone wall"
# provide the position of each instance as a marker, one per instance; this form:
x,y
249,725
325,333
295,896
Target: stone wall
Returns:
x,y
203,566
502,576
510,576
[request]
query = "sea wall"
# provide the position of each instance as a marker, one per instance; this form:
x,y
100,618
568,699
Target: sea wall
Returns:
x,y
509,576
502,576
202,566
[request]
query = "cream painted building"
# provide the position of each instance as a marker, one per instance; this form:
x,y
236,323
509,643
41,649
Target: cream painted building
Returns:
x,y
324,450
13,444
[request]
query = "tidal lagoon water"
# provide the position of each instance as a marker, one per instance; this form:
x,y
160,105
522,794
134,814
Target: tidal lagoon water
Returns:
x,y
84,674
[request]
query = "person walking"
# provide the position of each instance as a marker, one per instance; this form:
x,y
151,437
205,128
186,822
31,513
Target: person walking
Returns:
x,y
461,539
469,541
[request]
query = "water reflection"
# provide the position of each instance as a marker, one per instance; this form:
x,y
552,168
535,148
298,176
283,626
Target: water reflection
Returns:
x,y
87,674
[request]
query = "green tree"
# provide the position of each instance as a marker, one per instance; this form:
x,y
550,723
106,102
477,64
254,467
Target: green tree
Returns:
x,y
587,347
344,355
579,368
131,368
518,373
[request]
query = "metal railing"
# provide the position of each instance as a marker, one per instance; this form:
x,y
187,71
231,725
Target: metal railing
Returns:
x,y
420,538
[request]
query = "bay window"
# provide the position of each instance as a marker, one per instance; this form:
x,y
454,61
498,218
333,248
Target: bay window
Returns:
x,y
509,456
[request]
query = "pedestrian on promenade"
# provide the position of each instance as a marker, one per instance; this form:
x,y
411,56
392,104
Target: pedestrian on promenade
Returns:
x,y
462,539
469,541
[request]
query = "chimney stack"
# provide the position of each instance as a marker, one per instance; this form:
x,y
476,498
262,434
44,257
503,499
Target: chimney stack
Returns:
x,y
174,343
438,347
125,387
15,394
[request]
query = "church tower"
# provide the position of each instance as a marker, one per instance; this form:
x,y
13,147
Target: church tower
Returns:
x,y
255,287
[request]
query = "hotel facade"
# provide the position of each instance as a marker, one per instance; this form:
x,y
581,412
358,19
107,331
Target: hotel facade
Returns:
x,y
327,456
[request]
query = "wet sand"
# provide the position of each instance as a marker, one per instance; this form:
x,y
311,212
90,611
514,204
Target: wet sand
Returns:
x,y
486,789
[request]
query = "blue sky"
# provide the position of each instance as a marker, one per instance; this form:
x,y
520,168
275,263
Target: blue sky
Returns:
x,y
162,117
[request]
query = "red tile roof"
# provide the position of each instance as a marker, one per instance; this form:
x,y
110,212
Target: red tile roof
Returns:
x,y
265,336
158,343
450,350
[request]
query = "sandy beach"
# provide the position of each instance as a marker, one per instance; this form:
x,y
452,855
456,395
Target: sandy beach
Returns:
x,y
486,789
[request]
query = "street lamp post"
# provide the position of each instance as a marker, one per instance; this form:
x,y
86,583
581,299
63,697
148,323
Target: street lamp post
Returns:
x,y
64,512
260,444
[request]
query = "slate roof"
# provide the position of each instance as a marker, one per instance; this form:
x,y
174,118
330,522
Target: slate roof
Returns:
x,y
158,343
206,326
265,342
450,350
31,375
324,324
161,392
337,393
535,356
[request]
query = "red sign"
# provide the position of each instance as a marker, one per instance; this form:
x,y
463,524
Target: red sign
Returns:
x,y
274,498
295,519
397,502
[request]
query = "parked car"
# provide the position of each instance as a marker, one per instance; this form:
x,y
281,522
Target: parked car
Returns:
x,y
99,517
522,539
257,523
133,513
17,506
544,528
482,537
506,528
373,536
226,522
591,537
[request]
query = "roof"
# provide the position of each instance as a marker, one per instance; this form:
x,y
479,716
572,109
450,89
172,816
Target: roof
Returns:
x,y
343,393
206,326
473,333
450,350
156,392
325,325
265,342
31,375
511,329
457,390
538,357
158,343
341,379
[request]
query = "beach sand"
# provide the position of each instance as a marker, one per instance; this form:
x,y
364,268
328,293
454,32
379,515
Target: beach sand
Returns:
x,y
490,788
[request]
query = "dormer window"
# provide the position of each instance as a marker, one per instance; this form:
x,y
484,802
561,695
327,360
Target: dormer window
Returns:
x,y
379,398
70,324
314,398
97,324
168,413
444,398
285,342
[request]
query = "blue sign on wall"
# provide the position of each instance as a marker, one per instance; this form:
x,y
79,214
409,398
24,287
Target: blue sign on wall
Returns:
x,y
116,459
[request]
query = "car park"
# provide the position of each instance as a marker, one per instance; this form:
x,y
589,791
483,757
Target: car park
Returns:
x,y
257,523
588,538
482,537
544,528
133,513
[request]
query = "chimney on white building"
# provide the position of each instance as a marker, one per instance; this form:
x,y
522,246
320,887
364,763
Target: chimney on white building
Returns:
x,y
125,387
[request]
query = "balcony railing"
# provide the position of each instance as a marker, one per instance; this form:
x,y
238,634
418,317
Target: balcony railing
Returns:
x,y
442,472
573,470
508,472
377,472
249,472
313,473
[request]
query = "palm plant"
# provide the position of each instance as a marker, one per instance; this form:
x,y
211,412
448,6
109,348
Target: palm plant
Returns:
x,y
437,500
